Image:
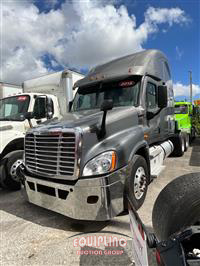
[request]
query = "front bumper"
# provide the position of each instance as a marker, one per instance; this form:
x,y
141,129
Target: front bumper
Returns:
x,y
97,199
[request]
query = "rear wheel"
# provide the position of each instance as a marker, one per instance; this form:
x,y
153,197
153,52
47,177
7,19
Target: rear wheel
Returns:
x,y
9,178
186,141
177,206
137,183
179,144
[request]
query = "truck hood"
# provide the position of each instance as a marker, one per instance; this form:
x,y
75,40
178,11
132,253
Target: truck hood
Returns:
x,y
90,120
121,123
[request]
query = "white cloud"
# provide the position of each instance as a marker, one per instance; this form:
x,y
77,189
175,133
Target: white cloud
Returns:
x,y
184,90
26,36
166,15
80,34
21,64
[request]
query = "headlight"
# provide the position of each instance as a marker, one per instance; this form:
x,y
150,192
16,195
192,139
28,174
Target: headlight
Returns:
x,y
101,164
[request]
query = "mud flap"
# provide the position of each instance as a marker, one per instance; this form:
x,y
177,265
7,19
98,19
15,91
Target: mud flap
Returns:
x,y
139,240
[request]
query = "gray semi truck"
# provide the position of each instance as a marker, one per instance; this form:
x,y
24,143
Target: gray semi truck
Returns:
x,y
119,129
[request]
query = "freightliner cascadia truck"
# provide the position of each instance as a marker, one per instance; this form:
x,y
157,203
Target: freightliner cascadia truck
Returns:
x,y
112,143
31,104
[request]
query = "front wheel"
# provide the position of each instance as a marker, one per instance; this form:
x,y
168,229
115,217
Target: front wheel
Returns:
x,y
137,183
9,178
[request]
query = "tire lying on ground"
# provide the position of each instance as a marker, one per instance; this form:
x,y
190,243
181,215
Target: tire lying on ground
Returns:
x,y
177,206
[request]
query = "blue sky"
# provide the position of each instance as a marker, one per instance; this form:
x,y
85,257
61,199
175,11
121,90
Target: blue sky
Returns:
x,y
77,34
181,44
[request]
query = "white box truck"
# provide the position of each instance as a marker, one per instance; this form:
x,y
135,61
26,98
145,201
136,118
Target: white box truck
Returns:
x,y
16,116
7,89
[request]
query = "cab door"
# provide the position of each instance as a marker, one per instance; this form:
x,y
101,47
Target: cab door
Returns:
x,y
152,110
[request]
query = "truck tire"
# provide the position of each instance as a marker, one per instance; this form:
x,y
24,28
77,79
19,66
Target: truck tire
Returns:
x,y
177,206
8,178
137,183
186,141
179,145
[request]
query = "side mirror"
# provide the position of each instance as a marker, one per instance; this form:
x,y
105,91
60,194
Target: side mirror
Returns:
x,y
107,105
49,108
150,115
29,115
43,107
162,97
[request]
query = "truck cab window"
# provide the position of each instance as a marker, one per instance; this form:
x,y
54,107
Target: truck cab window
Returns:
x,y
181,109
40,107
151,95
123,93
14,108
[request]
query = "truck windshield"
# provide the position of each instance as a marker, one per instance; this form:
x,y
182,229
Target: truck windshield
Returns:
x,y
14,108
123,93
182,109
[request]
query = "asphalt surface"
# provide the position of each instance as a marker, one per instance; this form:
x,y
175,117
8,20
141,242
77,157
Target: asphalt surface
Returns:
x,y
31,235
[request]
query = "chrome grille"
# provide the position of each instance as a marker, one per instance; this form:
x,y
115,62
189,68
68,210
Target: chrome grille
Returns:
x,y
52,153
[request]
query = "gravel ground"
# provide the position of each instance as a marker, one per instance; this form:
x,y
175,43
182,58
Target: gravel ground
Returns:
x,y
31,235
